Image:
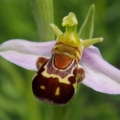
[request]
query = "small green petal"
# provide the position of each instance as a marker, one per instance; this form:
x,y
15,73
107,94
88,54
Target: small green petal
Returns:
x,y
88,42
57,31
86,30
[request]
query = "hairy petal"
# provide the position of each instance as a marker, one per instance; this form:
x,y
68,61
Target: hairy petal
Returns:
x,y
100,75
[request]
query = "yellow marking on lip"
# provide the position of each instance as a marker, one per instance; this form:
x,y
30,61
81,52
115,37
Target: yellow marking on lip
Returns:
x,y
42,87
57,92
65,80
75,85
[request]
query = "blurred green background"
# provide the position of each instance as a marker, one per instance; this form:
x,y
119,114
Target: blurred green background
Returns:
x,y
16,99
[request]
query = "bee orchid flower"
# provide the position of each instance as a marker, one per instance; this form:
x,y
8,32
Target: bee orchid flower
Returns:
x,y
63,63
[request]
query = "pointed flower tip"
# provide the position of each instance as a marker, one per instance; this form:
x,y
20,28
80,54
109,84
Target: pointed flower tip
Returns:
x,y
93,6
101,39
88,42
57,31
70,20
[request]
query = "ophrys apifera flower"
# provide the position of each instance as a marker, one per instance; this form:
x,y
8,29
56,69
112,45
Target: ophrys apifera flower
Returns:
x,y
62,64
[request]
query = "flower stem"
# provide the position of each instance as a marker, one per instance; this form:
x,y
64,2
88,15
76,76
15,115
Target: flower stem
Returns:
x,y
69,107
43,13
86,30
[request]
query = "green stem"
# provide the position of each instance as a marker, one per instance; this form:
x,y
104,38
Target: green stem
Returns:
x,y
58,112
43,13
69,108
86,30
34,113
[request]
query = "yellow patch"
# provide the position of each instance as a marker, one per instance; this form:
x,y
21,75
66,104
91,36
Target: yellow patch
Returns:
x,y
57,92
75,85
65,80
61,80
42,87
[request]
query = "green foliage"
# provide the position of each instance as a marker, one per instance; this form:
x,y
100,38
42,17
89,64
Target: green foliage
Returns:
x,y
16,99
43,18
